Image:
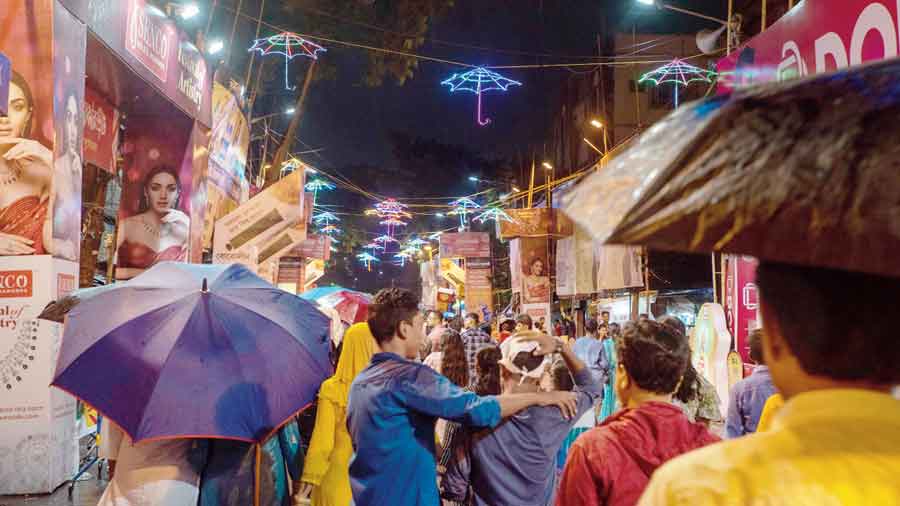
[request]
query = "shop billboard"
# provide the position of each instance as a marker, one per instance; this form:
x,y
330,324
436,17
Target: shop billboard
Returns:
x,y
535,270
479,289
153,46
815,36
155,210
536,222
101,131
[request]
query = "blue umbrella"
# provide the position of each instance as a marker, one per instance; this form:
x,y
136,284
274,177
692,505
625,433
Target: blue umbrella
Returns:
x,y
185,350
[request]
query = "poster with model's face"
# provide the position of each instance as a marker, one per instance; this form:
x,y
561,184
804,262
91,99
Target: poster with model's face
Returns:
x,y
535,270
154,222
26,131
70,39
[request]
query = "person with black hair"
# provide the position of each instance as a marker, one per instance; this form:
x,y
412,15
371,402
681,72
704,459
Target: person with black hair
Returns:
x,y
523,323
515,464
749,395
696,395
612,463
474,339
395,402
830,342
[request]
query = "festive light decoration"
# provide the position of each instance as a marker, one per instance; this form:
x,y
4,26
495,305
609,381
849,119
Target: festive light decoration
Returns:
x,y
403,257
367,259
290,165
479,81
493,213
393,223
324,218
416,242
384,240
317,185
289,45
435,236
678,73
463,208
330,230
391,213
374,246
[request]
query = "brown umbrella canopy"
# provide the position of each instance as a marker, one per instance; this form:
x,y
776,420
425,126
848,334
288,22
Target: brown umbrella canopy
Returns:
x,y
804,172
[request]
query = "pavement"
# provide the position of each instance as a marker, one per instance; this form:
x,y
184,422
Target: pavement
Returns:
x,y
87,493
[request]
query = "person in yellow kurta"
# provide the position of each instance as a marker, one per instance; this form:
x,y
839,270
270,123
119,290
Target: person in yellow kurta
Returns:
x,y
326,469
830,343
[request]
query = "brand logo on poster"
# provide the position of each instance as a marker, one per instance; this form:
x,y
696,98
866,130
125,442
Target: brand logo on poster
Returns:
x,y
148,37
16,284
65,284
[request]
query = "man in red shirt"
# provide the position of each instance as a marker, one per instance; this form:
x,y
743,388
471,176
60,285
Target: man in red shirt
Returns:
x,y
611,464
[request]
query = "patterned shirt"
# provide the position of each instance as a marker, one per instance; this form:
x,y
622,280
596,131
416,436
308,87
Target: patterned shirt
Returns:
x,y
473,341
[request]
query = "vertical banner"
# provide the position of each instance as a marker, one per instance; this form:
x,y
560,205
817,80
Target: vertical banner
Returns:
x,y
515,265
427,271
37,424
479,289
618,267
565,266
69,49
154,214
228,146
535,270
26,141
101,131
741,300
199,160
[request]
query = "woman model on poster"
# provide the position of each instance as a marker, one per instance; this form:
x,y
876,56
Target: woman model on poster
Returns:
x,y
159,232
536,282
67,184
26,168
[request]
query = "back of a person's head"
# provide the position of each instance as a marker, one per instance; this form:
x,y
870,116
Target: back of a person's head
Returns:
x,y
562,378
390,307
454,364
674,322
654,355
754,340
838,324
487,365
455,324
590,326
473,316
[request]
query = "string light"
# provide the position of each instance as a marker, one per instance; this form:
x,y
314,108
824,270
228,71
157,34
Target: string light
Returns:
x,y
367,259
317,185
678,73
493,213
325,217
289,45
403,256
330,230
478,81
462,207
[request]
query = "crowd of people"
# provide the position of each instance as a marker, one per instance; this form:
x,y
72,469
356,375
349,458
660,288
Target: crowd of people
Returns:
x,y
424,410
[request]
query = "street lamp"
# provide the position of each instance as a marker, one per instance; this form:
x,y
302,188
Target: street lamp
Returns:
x,y
184,11
596,123
216,46
547,165
663,5
473,179
290,110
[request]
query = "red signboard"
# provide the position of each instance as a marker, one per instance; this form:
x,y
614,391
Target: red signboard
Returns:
x,y
816,36
101,128
15,284
465,245
741,300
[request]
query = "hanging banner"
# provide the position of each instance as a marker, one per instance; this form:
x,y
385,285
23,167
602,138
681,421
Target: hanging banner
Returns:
x,y
229,144
815,36
535,270
155,210
273,221
515,265
479,289
156,49
741,300
465,245
565,266
618,267
428,273
536,222
101,131
199,160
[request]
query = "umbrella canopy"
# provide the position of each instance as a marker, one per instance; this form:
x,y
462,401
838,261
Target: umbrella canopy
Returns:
x,y
352,306
194,351
802,172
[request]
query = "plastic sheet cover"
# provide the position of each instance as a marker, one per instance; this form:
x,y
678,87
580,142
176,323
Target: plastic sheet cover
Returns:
x,y
804,172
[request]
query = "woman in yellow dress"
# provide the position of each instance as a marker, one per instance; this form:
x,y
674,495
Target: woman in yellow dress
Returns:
x,y
326,474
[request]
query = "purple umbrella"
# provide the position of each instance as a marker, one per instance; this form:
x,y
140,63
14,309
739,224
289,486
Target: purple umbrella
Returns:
x,y
208,351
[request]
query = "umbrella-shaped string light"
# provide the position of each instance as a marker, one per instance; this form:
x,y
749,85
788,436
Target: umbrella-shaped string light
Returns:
x,y
367,259
463,207
679,74
325,218
493,213
289,45
403,257
317,185
479,81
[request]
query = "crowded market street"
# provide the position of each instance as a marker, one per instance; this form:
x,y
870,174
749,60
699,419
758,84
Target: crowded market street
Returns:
x,y
449,253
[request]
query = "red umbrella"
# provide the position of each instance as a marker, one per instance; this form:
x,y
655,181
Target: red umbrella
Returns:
x,y
353,307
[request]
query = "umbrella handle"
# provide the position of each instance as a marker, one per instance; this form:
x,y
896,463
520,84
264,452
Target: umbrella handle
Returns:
x,y
485,121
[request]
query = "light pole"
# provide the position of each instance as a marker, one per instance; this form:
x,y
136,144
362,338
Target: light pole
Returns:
x,y
731,23
549,178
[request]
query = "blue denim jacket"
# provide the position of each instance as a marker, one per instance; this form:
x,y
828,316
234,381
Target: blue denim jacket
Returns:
x,y
394,404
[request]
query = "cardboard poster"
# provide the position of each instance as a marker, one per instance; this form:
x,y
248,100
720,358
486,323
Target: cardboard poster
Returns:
x,y
155,210
465,245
